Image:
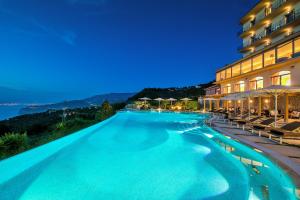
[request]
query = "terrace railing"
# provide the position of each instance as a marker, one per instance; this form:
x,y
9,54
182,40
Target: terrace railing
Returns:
x,y
276,4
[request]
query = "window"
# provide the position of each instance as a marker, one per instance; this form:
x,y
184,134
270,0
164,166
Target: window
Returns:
x,y
246,66
227,89
282,78
223,75
285,51
257,62
236,70
239,87
228,73
297,45
269,58
256,83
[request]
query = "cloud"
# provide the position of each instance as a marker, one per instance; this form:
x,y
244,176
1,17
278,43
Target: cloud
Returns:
x,y
69,37
35,28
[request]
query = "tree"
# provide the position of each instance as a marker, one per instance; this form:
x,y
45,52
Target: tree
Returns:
x,y
106,110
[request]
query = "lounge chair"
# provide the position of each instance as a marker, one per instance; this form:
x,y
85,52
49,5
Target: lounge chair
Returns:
x,y
243,122
262,125
239,117
286,130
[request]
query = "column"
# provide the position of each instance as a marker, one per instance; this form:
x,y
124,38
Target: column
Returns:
x,y
286,113
259,106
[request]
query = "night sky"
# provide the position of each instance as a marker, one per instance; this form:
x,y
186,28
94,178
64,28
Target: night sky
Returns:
x,y
98,46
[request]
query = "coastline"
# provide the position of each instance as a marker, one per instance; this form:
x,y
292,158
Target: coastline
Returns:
x,y
9,111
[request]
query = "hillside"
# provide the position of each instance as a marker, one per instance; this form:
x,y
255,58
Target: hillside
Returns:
x,y
192,92
88,102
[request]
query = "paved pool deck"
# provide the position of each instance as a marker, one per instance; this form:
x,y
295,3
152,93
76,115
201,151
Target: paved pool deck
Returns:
x,y
286,156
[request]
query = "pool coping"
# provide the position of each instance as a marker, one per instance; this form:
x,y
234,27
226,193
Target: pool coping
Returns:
x,y
289,166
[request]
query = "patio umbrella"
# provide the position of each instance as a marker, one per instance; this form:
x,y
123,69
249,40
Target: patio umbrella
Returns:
x,y
159,100
276,90
186,100
145,99
171,100
232,97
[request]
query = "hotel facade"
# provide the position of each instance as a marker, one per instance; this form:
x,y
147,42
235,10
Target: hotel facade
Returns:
x,y
270,51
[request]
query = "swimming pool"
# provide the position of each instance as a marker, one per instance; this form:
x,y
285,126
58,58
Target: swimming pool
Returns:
x,y
144,155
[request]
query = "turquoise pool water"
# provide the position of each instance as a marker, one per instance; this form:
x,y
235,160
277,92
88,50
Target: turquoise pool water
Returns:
x,y
143,155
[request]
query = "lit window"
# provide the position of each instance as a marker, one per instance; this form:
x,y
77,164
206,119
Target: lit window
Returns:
x,y
257,62
227,89
236,70
297,45
269,58
246,66
285,51
223,75
239,87
228,73
281,78
256,83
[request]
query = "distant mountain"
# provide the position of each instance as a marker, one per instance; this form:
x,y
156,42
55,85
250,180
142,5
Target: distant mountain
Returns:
x,y
9,95
91,101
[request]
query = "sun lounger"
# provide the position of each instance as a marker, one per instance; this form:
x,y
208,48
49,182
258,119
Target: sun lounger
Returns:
x,y
243,122
262,125
286,130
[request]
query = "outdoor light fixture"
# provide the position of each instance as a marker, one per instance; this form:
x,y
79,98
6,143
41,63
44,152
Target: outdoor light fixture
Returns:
x,y
267,23
267,101
268,41
288,9
288,31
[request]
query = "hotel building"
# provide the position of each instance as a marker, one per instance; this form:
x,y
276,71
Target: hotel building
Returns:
x,y
270,54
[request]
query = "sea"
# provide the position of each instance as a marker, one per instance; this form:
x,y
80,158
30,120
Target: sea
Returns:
x,y
9,111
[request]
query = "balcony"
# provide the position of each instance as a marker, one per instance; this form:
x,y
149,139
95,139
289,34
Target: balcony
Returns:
x,y
277,4
276,8
292,16
273,30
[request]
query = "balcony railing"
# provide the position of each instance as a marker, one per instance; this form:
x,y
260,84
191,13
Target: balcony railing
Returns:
x,y
276,4
258,37
292,16
289,18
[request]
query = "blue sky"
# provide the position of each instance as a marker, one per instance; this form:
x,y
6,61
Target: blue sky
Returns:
x,y
85,47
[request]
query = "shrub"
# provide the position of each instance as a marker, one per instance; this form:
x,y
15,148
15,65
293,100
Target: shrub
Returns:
x,y
12,143
76,122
